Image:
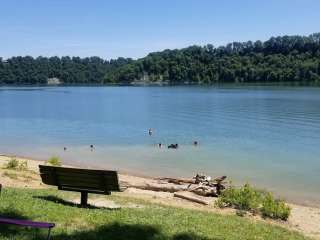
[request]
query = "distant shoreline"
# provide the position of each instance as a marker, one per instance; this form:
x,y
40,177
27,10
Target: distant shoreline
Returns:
x,y
161,84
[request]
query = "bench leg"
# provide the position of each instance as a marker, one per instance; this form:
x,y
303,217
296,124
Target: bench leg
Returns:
x,y
49,231
84,199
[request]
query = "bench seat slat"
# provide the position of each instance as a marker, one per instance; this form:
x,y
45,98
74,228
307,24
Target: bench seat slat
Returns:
x,y
88,177
73,178
78,170
84,174
84,189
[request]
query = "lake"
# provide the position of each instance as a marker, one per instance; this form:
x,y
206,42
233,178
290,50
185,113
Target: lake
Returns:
x,y
268,136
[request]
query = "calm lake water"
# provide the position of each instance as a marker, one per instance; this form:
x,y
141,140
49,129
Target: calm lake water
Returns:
x,y
262,135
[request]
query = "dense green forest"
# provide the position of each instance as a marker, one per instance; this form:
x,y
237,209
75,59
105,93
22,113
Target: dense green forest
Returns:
x,y
279,59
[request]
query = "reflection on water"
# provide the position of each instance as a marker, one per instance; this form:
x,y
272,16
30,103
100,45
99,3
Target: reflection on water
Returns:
x,y
265,135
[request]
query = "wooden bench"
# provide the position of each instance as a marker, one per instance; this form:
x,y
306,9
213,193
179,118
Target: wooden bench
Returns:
x,y
80,180
26,223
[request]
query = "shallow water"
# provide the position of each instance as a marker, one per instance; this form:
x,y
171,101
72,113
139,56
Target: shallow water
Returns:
x,y
265,135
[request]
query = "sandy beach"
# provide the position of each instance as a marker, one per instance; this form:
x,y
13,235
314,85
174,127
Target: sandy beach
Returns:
x,y
303,218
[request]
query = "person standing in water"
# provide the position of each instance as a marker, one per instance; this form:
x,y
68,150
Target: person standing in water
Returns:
x,y
91,147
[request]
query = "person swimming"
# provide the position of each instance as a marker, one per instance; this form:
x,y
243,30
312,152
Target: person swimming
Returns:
x,y
150,132
64,148
160,145
174,146
195,143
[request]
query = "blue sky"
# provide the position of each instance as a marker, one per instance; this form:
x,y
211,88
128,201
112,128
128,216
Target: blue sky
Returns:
x,y
133,28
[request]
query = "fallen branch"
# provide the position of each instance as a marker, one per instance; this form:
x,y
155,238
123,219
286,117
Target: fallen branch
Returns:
x,y
201,185
169,187
190,197
177,180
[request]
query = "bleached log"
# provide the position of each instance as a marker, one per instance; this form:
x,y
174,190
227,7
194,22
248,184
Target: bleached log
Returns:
x,y
172,185
204,191
162,187
190,197
177,180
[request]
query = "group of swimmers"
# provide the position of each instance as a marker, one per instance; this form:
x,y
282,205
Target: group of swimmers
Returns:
x,y
172,145
160,145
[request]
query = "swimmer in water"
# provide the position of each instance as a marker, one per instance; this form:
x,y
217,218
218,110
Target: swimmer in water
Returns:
x,y
91,147
195,143
150,131
64,149
174,146
160,145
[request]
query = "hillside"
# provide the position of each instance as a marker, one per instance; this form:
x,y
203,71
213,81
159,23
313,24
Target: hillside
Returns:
x,y
277,60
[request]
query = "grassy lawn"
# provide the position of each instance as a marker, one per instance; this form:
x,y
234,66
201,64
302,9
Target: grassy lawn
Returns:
x,y
151,222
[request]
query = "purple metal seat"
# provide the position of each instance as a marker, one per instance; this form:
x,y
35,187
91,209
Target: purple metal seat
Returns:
x,y
26,223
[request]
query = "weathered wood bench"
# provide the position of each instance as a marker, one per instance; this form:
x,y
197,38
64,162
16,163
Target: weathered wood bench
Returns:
x,y
80,180
26,223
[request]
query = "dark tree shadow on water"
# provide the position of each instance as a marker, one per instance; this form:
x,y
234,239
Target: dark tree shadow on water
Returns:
x,y
119,231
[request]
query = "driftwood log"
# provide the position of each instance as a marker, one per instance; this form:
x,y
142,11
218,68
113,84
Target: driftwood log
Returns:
x,y
160,187
177,180
191,197
200,185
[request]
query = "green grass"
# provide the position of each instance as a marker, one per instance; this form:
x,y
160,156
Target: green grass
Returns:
x,y
152,222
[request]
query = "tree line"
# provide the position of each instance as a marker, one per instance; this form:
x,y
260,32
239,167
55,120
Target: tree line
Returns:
x,y
28,70
277,60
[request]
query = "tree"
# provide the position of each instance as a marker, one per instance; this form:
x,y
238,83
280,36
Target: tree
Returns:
x,y
287,58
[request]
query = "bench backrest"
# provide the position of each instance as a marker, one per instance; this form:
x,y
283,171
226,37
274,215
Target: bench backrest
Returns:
x,y
76,179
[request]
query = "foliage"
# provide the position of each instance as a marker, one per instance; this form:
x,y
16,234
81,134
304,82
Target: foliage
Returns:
x,y
150,221
23,166
281,59
274,208
28,70
277,60
244,198
13,163
55,161
250,199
